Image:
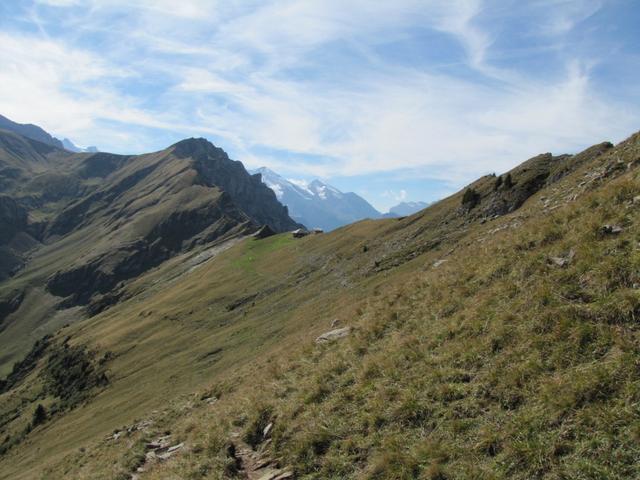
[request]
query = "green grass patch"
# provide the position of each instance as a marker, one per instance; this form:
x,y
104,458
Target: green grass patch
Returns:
x,y
256,250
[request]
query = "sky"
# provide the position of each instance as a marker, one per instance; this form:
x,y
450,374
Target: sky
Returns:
x,y
398,101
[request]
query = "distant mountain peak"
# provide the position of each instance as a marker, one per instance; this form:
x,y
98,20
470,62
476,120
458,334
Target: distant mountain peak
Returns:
x,y
404,209
316,203
72,147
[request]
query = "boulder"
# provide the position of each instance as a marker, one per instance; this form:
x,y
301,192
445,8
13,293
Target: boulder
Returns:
x,y
437,263
334,335
563,260
611,229
171,451
277,475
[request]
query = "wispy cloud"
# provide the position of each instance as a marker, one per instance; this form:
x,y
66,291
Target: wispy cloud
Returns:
x,y
321,87
396,196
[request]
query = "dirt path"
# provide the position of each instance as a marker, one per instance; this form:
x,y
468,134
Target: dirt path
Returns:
x,y
258,465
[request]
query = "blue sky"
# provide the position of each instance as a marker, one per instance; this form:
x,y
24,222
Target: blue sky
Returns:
x,y
402,100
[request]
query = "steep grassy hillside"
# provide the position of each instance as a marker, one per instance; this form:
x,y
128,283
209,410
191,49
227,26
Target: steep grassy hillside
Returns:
x,y
494,335
515,358
76,228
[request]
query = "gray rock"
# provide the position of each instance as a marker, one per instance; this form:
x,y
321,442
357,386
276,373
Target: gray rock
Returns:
x,y
284,476
276,475
175,447
334,335
563,260
611,229
171,451
437,263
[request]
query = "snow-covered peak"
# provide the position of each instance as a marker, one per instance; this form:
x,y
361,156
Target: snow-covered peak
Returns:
x,y
274,181
324,191
315,203
69,145
281,185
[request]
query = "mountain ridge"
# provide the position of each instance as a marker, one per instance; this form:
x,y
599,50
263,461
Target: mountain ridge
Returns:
x,y
120,215
31,131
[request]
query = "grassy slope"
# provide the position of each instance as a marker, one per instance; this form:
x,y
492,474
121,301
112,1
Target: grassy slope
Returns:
x,y
492,365
496,364
199,337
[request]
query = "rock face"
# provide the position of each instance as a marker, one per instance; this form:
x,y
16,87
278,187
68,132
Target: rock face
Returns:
x,y
611,229
158,205
300,232
247,191
498,195
264,232
563,260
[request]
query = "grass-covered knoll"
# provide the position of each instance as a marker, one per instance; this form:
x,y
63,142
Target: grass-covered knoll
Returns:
x,y
474,354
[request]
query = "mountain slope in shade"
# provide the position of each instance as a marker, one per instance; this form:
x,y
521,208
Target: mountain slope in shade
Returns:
x,y
30,131
316,204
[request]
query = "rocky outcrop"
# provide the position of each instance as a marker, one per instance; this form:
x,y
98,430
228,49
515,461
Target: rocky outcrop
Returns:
x,y
247,191
264,232
494,196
